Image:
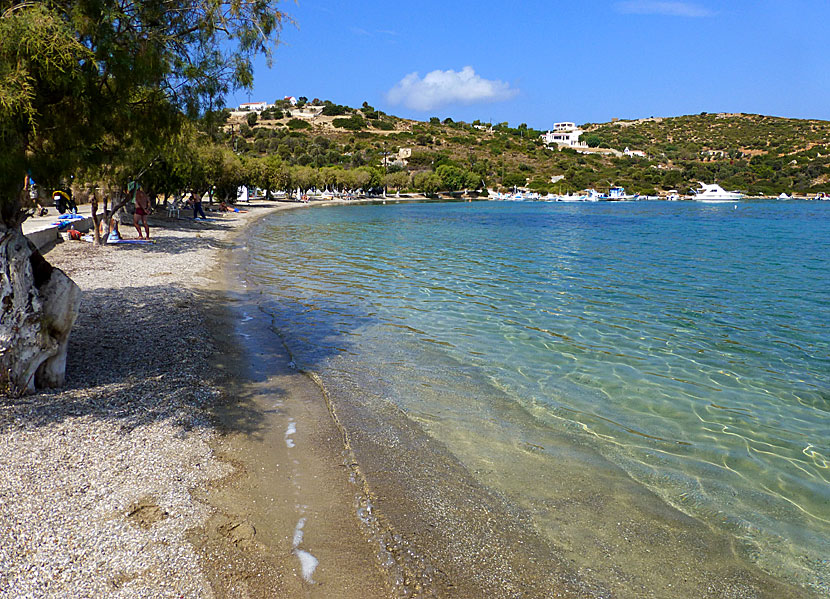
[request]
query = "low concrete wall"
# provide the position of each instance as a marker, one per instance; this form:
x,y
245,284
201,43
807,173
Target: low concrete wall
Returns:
x,y
44,237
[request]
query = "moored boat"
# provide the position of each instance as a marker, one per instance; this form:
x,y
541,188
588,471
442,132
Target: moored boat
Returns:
x,y
617,194
715,193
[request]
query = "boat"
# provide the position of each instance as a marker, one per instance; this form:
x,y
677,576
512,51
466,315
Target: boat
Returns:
x,y
715,193
784,196
586,195
673,196
617,194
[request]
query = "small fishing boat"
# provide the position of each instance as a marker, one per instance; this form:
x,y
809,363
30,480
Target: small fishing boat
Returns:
x,y
617,194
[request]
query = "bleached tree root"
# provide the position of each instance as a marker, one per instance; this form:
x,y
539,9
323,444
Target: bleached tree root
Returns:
x,y
38,306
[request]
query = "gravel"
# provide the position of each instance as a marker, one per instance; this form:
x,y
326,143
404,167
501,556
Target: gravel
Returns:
x,y
95,478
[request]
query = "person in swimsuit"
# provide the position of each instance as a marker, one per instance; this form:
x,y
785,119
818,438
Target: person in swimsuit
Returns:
x,y
142,209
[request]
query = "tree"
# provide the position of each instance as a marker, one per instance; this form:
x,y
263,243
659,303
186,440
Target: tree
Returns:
x,y
452,177
361,178
514,180
593,140
84,84
251,119
305,177
397,181
427,183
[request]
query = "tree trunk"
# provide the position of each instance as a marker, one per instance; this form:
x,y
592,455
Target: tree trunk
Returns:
x,y
96,221
38,306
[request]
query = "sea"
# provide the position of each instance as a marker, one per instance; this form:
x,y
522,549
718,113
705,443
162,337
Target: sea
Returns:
x,y
656,373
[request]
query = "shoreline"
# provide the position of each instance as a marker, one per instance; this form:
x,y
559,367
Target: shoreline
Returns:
x,y
103,483
287,517
473,543
206,465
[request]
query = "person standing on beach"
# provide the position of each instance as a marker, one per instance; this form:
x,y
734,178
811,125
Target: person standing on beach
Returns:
x,y
197,206
142,209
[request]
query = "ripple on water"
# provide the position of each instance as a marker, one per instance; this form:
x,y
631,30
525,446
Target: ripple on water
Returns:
x,y
690,343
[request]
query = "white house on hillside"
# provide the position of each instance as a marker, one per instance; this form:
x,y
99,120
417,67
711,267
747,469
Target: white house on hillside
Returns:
x,y
253,106
564,134
634,153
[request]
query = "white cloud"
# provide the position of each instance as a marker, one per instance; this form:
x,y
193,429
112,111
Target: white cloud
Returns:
x,y
672,9
440,88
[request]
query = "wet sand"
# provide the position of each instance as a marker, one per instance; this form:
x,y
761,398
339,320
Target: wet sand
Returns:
x,y
286,521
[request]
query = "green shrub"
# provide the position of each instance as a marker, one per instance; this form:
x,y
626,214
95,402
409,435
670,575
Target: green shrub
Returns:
x,y
295,124
353,123
334,109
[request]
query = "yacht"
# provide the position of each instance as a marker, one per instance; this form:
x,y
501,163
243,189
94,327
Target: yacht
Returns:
x,y
715,193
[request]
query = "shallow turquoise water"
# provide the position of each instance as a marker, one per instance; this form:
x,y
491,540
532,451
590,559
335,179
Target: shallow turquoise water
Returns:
x,y
690,343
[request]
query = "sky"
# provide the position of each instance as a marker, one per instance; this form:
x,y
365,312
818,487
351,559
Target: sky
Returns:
x,y
540,62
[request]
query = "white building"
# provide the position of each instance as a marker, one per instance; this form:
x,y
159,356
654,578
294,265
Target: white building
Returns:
x,y
564,134
253,106
634,153
306,112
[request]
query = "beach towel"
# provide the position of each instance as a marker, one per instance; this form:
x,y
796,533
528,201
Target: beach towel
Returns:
x,y
120,241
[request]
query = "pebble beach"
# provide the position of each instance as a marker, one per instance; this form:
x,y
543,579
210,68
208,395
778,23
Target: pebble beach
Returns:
x,y
96,478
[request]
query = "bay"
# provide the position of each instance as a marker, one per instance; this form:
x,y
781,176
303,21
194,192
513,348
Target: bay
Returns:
x,y
687,344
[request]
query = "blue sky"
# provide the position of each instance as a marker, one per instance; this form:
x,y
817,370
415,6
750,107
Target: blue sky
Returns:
x,y
539,62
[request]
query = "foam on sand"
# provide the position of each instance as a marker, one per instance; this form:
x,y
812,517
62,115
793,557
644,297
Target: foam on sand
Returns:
x,y
308,563
292,428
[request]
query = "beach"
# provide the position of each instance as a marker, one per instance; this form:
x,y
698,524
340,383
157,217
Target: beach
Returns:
x,y
197,449
135,479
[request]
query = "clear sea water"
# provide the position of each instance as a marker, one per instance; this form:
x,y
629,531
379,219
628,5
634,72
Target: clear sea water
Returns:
x,y
689,344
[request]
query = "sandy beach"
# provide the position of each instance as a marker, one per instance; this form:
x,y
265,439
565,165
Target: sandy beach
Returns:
x,y
135,479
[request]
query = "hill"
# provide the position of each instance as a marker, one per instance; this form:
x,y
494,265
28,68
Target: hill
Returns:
x,y
754,153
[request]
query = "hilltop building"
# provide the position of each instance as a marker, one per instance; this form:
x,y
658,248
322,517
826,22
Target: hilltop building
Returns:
x,y
306,112
564,134
253,106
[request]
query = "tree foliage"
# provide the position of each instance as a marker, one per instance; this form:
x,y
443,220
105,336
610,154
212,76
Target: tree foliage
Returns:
x,y
90,83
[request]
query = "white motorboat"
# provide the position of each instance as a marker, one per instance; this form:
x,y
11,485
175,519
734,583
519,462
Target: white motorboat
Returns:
x,y
784,196
587,195
715,193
